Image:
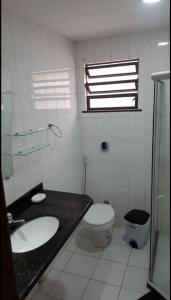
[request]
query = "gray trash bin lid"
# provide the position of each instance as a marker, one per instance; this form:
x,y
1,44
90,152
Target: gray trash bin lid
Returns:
x,y
137,216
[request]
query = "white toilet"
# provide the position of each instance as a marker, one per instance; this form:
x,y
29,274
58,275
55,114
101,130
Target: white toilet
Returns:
x,y
100,219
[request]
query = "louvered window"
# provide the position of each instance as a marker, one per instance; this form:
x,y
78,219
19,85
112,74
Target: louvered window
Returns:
x,y
112,85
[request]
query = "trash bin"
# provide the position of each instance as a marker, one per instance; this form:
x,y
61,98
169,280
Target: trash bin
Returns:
x,y
137,225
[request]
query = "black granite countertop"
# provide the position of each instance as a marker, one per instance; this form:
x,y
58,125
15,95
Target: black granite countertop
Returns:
x,y
69,208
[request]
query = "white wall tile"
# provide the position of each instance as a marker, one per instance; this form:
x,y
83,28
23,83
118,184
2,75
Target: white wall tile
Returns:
x,y
19,33
102,50
91,150
137,198
159,56
119,152
89,129
35,49
28,48
104,172
92,190
6,38
9,191
92,171
104,129
8,61
137,176
85,53
23,73
120,196
139,45
120,175
137,153
137,129
120,47
120,130
105,192
21,183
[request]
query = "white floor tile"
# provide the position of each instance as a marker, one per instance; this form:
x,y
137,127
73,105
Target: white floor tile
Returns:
x,y
109,272
118,232
86,247
139,258
161,274
146,246
51,298
129,295
118,253
50,281
73,243
84,232
69,287
135,279
81,265
38,296
100,291
61,261
32,292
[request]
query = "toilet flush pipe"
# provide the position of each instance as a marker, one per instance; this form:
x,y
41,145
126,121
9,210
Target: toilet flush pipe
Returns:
x,y
85,161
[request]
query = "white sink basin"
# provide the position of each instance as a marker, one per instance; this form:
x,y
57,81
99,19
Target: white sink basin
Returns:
x,y
33,234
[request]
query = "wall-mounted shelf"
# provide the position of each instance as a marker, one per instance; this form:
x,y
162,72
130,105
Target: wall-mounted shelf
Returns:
x,y
28,132
29,150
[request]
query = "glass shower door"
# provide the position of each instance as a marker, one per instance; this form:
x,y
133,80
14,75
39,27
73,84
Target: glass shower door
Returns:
x,y
159,273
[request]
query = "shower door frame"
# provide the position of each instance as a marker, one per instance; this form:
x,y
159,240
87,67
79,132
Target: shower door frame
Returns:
x,y
157,78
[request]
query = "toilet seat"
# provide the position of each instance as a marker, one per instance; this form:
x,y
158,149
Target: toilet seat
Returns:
x,y
99,214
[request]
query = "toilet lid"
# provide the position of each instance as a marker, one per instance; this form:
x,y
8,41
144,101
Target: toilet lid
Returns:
x,y
99,214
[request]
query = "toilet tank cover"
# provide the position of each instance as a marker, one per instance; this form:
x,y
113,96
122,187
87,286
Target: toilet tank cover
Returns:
x,y
99,214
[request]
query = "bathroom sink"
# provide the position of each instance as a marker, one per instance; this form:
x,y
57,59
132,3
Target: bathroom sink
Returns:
x,y
33,234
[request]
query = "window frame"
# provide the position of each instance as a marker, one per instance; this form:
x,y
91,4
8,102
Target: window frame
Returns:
x,y
113,108
112,93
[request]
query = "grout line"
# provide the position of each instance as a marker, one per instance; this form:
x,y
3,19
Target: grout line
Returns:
x,y
98,260
124,274
73,252
82,295
91,276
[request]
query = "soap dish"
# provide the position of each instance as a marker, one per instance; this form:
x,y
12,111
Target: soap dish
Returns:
x,y
38,198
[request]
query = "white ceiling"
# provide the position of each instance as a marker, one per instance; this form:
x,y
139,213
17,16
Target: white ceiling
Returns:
x,y
84,19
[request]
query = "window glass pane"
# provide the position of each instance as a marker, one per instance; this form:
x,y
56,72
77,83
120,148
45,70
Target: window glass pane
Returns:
x,y
112,70
115,78
112,102
113,87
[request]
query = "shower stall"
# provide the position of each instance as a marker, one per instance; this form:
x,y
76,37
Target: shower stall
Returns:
x,y
159,271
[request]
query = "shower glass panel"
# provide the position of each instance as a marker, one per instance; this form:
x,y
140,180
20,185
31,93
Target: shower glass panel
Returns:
x,y
159,275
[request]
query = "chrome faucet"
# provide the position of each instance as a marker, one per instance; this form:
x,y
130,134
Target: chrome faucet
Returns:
x,y
11,221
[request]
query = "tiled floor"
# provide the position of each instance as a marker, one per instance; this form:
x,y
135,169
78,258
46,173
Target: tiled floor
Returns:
x,y
161,273
84,272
